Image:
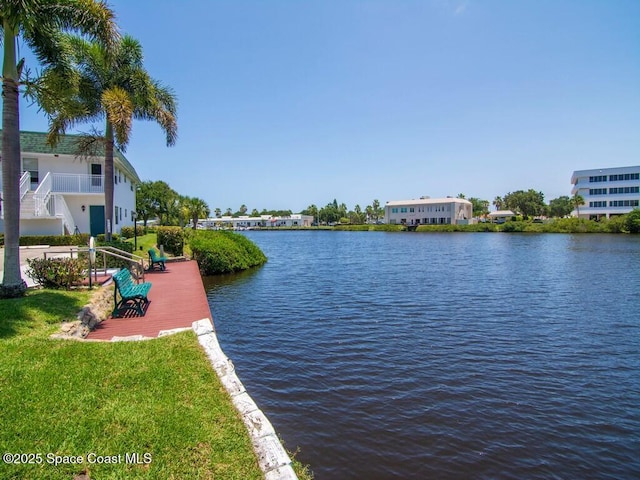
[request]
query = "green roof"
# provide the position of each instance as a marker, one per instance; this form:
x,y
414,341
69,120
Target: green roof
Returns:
x,y
36,142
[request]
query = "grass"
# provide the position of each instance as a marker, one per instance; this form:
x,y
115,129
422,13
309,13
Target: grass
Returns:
x,y
159,397
145,242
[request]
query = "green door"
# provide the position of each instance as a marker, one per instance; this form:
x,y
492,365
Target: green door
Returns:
x,y
96,219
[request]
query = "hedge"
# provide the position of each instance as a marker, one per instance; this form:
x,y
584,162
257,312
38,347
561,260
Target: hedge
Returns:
x,y
171,238
224,252
127,232
54,240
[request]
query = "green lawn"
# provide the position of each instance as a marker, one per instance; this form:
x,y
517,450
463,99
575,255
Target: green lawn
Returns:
x,y
145,242
66,398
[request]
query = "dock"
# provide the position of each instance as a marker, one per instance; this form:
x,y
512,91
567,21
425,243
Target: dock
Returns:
x,y
177,299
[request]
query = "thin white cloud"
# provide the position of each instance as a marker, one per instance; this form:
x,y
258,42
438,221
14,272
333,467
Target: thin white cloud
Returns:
x,y
461,8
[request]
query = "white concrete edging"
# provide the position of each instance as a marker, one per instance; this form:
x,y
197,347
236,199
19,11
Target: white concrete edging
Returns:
x,y
272,457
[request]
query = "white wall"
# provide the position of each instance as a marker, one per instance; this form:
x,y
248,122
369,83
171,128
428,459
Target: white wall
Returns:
x,y
41,227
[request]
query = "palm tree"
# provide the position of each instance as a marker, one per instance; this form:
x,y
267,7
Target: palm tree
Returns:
x,y
38,23
498,202
198,209
576,201
106,86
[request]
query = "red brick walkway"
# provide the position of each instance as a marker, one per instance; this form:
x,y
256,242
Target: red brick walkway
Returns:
x,y
177,299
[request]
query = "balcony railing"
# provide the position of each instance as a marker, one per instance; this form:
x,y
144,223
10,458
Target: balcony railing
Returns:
x,y
76,183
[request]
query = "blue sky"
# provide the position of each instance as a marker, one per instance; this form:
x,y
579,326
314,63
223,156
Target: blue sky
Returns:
x,y
287,103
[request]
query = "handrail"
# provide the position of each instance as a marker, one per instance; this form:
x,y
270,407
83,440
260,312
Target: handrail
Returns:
x,y
62,209
41,195
25,181
106,250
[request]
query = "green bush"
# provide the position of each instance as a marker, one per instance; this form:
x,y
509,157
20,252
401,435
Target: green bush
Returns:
x,y
127,232
55,240
224,252
172,239
633,221
352,228
111,262
57,272
101,236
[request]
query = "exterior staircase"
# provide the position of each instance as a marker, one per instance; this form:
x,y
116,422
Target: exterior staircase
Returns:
x,y
28,206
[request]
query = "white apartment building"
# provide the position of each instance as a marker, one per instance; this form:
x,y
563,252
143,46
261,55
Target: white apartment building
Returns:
x,y
607,192
429,211
263,221
61,193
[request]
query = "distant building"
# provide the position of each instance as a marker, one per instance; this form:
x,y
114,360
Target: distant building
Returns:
x,y
428,211
263,221
607,192
501,216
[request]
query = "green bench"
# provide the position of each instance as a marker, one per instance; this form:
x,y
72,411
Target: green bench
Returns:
x,y
133,296
155,259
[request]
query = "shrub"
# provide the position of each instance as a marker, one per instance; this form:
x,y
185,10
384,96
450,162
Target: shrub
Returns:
x,y
512,227
127,232
57,272
172,239
224,252
352,228
633,221
55,240
111,262
101,236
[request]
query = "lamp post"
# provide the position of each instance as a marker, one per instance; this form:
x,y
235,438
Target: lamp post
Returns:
x,y
135,231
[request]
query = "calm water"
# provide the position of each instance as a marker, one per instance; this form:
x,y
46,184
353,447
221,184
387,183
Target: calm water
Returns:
x,y
405,355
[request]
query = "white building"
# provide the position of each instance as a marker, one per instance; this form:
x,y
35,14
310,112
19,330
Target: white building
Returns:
x,y
429,211
62,193
607,192
263,221
501,216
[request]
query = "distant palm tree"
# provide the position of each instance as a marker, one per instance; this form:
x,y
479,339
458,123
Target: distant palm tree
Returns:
x,y
576,201
38,23
197,209
498,202
110,86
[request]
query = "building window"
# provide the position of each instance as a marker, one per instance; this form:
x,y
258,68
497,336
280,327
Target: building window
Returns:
x,y
597,191
624,190
411,209
624,203
116,215
599,204
403,209
598,178
624,176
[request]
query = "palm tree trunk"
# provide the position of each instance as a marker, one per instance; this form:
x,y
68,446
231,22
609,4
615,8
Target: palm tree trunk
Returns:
x,y
12,283
108,181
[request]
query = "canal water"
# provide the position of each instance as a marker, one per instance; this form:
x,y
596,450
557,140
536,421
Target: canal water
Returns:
x,y
460,355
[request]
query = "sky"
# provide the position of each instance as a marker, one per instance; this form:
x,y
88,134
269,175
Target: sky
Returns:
x,y
287,103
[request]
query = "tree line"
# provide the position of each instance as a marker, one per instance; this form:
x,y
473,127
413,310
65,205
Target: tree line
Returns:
x,y
155,199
